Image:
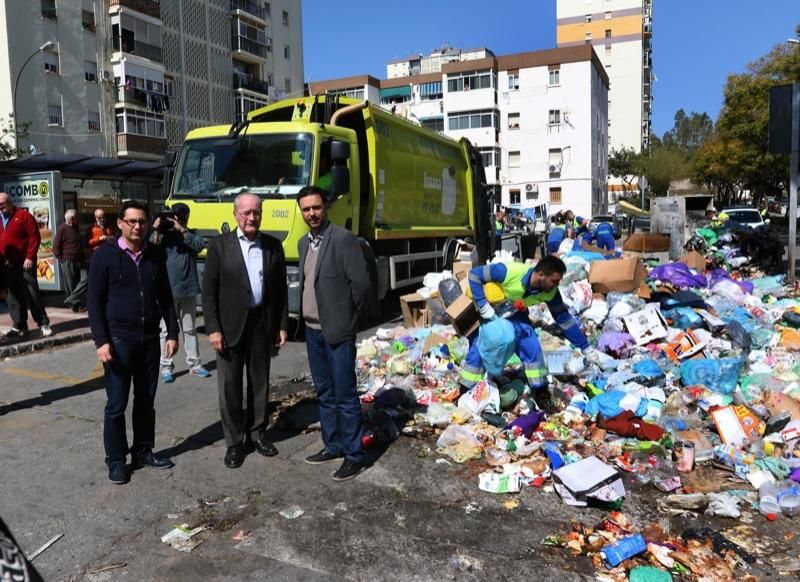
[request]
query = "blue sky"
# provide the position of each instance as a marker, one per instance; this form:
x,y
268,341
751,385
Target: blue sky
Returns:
x,y
696,43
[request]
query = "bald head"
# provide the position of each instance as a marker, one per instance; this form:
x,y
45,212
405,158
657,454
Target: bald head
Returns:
x,y
6,205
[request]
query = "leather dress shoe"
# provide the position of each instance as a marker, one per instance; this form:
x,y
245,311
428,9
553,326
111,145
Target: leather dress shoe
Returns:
x,y
148,459
234,457
265,448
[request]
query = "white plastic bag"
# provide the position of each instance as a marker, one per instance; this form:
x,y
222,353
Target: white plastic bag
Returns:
x,y
577,295
484,396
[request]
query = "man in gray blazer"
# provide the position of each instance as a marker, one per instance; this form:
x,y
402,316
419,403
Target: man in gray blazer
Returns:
x,y
246,311
335,288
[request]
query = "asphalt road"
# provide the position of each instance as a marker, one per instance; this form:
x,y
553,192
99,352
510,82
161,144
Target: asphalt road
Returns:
x,y
411,516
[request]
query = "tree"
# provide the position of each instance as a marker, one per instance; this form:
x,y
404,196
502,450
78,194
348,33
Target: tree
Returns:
x,y
625,163
689,132
7,137
662,165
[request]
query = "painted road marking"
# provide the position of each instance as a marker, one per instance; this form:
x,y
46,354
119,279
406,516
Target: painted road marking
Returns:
x,y
70,380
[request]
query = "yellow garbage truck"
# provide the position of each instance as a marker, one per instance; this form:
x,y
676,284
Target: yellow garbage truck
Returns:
x,y
407,192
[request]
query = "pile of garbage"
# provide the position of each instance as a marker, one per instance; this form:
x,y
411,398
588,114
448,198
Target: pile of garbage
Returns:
x,y
698,378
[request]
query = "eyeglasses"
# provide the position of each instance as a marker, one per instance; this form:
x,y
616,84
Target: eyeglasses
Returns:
x,y
134,222
249,213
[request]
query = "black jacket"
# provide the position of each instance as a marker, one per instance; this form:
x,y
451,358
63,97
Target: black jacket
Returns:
x,y
341,283
128,301
226,287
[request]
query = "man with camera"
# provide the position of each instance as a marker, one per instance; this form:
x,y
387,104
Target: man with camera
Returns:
x,y
181,247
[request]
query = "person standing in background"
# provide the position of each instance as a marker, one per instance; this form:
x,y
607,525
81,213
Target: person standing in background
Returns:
x,y
99,232
67,249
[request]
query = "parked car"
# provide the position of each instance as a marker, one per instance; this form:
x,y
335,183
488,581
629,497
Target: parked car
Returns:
x,y
746,216
640,224
609,219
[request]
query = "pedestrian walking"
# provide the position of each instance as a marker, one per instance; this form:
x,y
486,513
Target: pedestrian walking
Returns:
x,y
181,247
99,232
67,249
335,288
19,246
129,294
245,307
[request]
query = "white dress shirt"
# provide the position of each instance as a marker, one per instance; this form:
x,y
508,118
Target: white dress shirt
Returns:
x,y
254,261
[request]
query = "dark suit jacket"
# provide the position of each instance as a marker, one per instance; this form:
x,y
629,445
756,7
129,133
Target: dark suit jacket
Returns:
x,y
226,287
341,283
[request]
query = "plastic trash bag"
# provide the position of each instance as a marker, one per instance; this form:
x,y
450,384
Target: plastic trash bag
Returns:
x,y
483,396
459,443
577,295
597,312
739,335
648,368
496,344
769,286
449,291
718,275
683,317
677,274
611,404
720,375
618,344
729,289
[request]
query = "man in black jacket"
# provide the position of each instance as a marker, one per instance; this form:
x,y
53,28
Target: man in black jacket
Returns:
x,y
335,288
246,311
129,294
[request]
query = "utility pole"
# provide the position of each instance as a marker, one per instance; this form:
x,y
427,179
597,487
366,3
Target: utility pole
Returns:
x,y
795,151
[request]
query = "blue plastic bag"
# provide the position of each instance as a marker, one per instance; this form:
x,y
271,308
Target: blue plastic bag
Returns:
x,y
718,375
683,317
608,404
648,368
496,344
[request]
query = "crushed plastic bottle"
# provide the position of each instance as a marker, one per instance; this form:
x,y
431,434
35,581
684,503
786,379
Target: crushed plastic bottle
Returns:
x,y
628,547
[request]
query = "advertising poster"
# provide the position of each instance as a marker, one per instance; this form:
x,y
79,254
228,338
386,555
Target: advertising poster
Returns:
x,y
40,194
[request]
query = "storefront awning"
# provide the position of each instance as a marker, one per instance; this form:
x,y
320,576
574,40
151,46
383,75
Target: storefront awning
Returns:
x,y
404,91
81,167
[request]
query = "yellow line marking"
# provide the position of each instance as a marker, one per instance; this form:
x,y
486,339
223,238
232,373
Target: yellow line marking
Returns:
x,y
97,371
44,376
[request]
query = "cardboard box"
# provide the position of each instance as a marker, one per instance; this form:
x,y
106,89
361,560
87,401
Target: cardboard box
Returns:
x,y
593,249
466,252
461,269
694,260
464,316
646,325
415,310
647,242
624,275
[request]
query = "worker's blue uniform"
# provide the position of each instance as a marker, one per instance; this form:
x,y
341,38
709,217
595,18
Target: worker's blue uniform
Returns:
x,y
515,280
604,236
555,238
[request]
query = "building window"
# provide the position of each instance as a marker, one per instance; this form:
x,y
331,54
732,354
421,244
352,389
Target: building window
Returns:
x,y
513,121
267,9
513,197
472,120
587,19
554,77
608,33
490,156
608,15
555,195
286,18
434,123
554,117
54,114
514,159
354,92
50,62
90,71
555,160
471,81
169,86
430,91
268,43
87,20
286,51
94,121
287,85
513,81
49,9
140,123
588,37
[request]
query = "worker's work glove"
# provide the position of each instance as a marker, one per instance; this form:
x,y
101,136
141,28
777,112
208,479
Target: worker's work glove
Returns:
x,y
487,312
591,355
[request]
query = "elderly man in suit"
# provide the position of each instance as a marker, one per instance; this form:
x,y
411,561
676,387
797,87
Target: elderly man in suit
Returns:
x,y
246,311
335,288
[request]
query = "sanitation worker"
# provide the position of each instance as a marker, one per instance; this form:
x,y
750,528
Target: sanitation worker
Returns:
x,y
525,286
603,235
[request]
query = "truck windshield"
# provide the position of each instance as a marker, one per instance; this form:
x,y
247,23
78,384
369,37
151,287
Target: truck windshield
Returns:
x,y
270,165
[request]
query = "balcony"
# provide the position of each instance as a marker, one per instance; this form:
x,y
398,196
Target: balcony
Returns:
x,y
141,49
148,7
132,145
155,102
247,46
250,83
248,7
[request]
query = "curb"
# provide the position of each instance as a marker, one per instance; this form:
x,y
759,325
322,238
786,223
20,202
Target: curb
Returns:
x,y
40,344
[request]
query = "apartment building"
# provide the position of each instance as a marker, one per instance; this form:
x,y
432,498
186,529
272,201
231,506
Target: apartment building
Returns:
x,y
127,78
420,64
539,120
621,33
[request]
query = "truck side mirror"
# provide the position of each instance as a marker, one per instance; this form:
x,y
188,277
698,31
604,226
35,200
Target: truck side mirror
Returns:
x,y
340,181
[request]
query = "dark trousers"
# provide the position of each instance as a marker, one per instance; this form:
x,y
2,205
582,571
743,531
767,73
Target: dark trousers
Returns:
x,y
76,281
247,360
334,375
135,361
23,295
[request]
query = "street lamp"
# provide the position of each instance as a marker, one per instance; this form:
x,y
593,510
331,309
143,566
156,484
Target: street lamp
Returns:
x,y
49,44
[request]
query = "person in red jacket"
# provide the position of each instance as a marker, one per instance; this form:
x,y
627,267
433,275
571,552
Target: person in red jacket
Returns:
x,y
99,232
19,244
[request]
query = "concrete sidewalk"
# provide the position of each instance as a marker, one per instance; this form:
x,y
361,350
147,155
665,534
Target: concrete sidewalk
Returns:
x,y
68,328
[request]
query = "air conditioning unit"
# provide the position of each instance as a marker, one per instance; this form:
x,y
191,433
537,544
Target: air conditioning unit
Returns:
x,y
554,168
106,75
531,188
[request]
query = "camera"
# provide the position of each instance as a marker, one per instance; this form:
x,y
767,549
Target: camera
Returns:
x,y
166,225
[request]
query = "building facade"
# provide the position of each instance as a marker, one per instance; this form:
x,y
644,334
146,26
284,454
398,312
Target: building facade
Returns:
x,y
621,33
420,64
539,120
128,78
